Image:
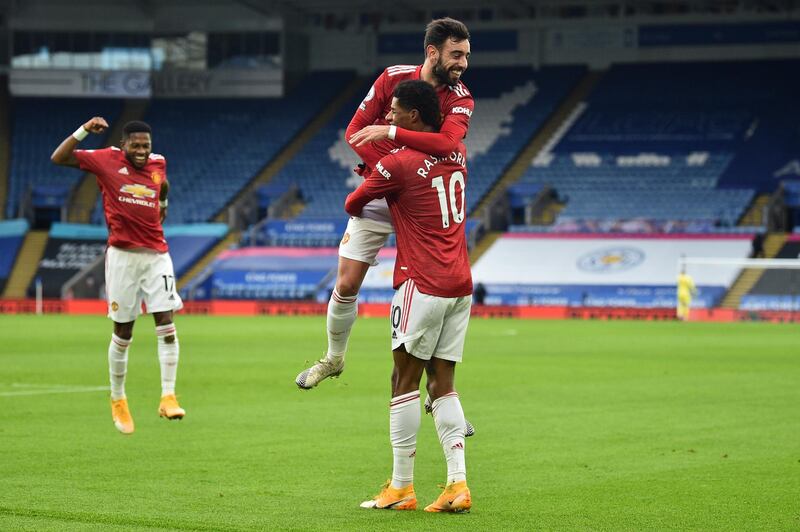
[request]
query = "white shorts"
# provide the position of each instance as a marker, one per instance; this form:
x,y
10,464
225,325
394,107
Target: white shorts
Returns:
x,y
363,239
429,326
136,276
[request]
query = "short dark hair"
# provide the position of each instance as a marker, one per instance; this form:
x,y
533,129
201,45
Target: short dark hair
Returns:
x,y
420,95
441,29
136,126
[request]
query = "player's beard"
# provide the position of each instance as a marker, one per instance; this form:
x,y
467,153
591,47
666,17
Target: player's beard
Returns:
x,y
442,75
133,161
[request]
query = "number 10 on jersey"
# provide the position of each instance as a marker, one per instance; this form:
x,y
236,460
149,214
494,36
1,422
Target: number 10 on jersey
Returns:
x,y
438,184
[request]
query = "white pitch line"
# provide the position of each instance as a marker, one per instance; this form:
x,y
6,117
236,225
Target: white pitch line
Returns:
x,y
42,385
54,390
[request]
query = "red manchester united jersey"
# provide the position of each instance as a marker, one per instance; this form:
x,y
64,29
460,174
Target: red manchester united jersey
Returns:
x,y
455,101
426,196
130,197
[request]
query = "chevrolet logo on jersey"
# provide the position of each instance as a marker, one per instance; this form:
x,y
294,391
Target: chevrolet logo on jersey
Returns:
x,y
138,191
141,194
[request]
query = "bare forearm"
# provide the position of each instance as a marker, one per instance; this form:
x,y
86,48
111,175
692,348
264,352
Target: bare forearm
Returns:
x,y
439,144
63,156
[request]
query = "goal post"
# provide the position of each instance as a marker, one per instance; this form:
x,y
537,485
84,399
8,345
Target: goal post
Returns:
x,y
751,285
789,264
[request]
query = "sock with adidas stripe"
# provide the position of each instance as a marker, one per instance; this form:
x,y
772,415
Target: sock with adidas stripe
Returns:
x,y
449,419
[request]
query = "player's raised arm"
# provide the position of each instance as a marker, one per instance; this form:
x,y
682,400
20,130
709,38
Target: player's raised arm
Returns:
x,y
63,155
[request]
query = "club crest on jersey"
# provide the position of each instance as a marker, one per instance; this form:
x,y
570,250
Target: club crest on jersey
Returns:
x,y
370,95
138,191
114,306
346,238
156,177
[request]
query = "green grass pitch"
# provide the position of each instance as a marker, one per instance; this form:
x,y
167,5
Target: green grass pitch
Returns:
x,y
580,426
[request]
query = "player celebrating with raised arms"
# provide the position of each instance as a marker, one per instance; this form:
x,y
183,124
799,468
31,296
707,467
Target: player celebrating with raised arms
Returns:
x,y
447,50
134,187
431,306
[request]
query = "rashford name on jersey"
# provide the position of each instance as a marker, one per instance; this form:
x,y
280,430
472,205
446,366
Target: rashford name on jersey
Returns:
x,y
430,162
427,199
456,105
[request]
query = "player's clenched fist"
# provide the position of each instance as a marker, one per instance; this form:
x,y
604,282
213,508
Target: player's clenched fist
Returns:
x,y
97,124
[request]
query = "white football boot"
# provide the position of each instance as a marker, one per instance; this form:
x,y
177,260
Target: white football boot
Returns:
x,y
323,369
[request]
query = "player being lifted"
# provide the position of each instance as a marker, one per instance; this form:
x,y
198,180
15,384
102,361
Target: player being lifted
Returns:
x,y
133,183
447,50
431,306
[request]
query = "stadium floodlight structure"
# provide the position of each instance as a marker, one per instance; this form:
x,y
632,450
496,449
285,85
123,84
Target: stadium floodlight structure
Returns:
x,y
779,292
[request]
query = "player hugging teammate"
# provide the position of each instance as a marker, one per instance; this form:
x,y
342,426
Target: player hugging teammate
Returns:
x,y
431,306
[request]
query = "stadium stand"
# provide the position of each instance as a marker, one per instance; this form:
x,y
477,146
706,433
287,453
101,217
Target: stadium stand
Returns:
x,y
214,147
667,142
12,233
71,248
38,126
265,273
271,195
187,243
300,233
511,104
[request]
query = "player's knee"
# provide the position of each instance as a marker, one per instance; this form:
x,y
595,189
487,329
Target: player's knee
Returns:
x,y
439,387
123,330
403,383
165,330
430,386
437,390
347,287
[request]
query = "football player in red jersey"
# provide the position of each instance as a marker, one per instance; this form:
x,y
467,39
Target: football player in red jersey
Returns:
x,y
134,187
447,51
433,288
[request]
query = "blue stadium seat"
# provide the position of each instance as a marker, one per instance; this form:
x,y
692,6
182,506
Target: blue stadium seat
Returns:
x,y
512,103
38,127
12,234
216,147
663,142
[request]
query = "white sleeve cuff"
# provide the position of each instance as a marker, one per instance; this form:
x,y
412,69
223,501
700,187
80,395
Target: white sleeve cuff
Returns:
x,y
392,132
80,134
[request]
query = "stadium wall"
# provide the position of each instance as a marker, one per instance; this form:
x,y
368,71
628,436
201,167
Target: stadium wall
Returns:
x,y
377,310
175,15
597,43
603,270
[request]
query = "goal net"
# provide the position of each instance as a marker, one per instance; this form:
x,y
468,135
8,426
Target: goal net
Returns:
x,y
750,285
